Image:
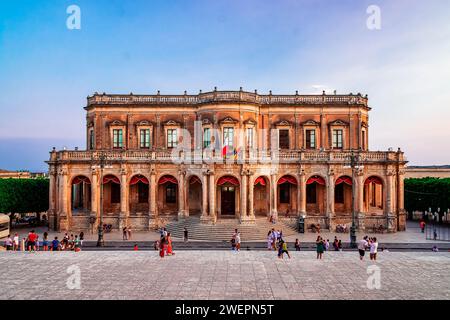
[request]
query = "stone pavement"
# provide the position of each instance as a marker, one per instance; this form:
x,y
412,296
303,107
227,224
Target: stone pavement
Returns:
x,y
222,275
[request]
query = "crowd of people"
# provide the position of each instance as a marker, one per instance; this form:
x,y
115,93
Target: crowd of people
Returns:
x,y
33,242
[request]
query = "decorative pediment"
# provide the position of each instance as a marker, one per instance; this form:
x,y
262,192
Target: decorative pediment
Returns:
x,y
338,122
171,123
228,120
310,123
144,123
283,123
250,122
116,123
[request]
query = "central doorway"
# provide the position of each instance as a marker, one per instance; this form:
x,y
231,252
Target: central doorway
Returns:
x,y
228,201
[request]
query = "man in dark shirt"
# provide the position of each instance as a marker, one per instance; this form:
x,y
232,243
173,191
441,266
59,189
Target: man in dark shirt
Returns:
x,y
55,244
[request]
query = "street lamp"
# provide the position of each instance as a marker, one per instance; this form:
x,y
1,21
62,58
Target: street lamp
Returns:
x,y
102,164
354,163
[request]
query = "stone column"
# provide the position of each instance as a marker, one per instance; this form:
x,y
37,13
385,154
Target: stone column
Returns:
x,y
52,199
302,191
124,203
94,202
212,198
251,212
204,197
244,199
64,219
153,189
330,200
181,194
274,210
359,201
388,193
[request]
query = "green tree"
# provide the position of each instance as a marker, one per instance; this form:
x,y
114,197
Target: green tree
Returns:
x,y
24,195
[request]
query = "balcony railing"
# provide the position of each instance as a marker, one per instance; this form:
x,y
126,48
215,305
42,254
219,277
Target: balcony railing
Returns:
x,y
224,96
263,156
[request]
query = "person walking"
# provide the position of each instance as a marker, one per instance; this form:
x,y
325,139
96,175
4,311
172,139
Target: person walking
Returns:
x,y
162,247
320,246
185,234
269,240
373,249
362,245
169,245
283,249
238,241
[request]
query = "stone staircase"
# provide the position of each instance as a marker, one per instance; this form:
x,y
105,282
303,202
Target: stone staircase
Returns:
x,y
224,228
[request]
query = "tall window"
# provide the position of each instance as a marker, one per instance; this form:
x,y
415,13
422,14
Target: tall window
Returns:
x,y
310,139
91,139
311,193
171,138
363,139
115,193
142,193
145,138
249,138
228,136
285,193
337,138
206,137
171,193
339,193
117,138
283,138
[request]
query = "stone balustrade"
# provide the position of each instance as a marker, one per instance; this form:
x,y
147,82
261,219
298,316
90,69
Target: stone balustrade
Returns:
x,y
248,156
225,96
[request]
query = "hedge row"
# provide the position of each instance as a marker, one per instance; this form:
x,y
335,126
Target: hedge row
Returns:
x,y
24,195
424,193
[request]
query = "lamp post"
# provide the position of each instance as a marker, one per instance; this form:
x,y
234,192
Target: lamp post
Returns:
x,y
102,158
354,163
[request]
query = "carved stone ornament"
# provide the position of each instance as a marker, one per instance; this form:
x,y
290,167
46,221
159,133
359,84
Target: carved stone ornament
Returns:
x,y
116,123
338,122
171,123
228,120
310,123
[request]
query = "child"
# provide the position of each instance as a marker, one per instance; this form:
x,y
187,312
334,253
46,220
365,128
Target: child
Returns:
x,y
297,245
135,248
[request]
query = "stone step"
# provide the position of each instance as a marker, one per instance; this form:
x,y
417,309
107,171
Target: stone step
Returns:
x,y
224,228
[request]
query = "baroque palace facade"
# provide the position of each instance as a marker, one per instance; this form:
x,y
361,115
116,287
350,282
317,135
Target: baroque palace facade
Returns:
x,y
226,154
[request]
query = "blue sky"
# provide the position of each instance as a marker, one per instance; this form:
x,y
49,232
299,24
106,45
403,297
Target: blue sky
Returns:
x,y
47,70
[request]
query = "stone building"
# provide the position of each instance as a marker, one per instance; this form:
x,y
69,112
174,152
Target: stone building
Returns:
x,y
226,154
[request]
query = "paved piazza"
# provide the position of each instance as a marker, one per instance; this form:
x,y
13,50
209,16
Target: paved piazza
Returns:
x,y
222,275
